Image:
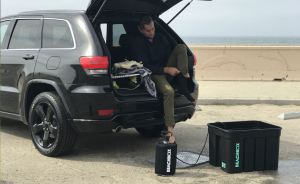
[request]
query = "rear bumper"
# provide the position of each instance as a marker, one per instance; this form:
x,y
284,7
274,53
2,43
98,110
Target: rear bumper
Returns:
x,y
129,112
131,120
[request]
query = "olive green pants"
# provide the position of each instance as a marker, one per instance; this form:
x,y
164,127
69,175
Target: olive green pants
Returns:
x,y
179,60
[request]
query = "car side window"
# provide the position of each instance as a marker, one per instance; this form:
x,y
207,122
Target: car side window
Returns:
x,y
25,35
103,28
118,29
4,26
57,34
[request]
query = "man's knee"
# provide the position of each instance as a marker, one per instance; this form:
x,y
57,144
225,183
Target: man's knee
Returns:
x,y
180,47
168,91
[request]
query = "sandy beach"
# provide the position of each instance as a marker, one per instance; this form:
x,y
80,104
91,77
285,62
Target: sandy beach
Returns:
x,y
247,62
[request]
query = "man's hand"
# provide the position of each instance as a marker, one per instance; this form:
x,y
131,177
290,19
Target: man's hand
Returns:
x,y
171,70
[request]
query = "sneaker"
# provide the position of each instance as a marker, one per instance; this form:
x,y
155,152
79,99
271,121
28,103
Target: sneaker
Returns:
x,y
115,85
133,81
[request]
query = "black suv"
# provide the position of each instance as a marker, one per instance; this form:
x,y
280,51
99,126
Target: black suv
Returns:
x,y
56,73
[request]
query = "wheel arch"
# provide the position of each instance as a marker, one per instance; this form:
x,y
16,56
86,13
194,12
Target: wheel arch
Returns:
x,y
37,86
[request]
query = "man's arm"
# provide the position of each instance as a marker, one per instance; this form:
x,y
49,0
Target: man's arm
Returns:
x,y
171,70
167,48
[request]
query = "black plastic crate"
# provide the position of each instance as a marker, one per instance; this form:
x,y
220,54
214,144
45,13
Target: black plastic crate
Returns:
x,y
244,146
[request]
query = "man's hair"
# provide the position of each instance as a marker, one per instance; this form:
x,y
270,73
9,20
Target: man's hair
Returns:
x,y
144,20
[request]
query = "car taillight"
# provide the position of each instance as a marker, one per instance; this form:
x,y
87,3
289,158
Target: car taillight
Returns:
x,y
98,62
105,112
195,60
95,64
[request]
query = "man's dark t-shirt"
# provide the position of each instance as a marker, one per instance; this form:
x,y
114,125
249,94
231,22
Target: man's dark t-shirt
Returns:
x,y
153,55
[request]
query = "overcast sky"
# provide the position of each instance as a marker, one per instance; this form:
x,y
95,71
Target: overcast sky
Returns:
x,y
201,18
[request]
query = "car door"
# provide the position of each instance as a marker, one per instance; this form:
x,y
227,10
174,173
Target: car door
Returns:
x,y
18,59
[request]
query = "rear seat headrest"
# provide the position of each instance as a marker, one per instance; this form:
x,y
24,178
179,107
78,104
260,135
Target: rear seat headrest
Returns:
x,y
125,40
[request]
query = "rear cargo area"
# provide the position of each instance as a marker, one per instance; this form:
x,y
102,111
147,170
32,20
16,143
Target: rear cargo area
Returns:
x,y
118,37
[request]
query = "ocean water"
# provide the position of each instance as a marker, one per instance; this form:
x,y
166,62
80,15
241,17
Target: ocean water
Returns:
x,y
242,40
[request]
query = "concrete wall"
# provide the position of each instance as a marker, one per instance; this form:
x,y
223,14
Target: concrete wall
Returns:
x,y
247,62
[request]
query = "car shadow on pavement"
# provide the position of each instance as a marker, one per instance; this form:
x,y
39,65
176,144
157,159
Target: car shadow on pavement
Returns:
x,y
14,127
126,147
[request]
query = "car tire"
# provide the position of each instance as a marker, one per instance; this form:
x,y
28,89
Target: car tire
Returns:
x,y
50,131
153,131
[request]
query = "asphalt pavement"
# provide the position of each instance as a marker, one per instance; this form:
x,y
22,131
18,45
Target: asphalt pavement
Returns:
x,y
123,157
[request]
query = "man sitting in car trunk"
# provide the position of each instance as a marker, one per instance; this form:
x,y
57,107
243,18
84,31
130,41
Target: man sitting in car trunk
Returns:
x,y
155,52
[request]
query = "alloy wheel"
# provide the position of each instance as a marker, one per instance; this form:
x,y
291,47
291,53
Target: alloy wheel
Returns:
x,y
44,125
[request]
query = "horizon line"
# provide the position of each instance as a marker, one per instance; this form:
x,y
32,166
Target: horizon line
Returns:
x,y
283,36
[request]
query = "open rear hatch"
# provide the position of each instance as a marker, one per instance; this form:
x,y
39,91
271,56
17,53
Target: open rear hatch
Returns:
x,y
157,7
